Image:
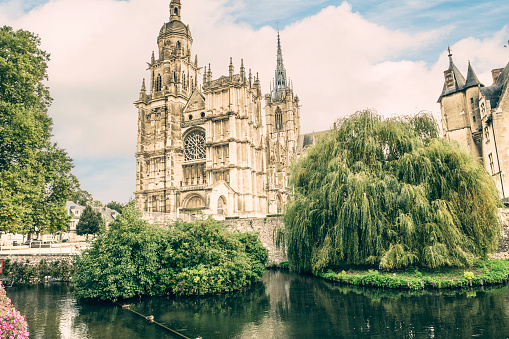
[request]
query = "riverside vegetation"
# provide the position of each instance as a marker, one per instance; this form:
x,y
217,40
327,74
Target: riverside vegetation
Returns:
x,y
133,258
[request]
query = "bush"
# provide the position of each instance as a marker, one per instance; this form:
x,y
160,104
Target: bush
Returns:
x,y
24,273
134,258
12,323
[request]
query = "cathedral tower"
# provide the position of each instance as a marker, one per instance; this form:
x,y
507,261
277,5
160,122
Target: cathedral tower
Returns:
x,y
173,78
283,129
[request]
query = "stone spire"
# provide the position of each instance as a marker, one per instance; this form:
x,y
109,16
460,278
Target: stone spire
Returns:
x,y
454,80
472,79
175,10
143,88
231,68
242,70
280,83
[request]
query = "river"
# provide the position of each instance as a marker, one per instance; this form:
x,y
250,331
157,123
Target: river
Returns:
x,y
283,305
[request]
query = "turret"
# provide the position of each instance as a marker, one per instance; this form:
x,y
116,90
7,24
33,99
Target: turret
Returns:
x,y
175,7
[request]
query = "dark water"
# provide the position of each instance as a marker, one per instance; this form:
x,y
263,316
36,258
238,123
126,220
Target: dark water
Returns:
x,y
282,306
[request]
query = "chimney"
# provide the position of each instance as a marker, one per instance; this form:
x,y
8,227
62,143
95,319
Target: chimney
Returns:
x,y
495,73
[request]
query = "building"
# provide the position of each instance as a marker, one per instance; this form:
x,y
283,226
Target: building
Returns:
x,y
74,211
477,117
206,149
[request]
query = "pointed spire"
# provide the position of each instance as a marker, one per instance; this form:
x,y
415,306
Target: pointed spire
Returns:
x,y
175,7
472,79
280,82
209,74
454,80
250,78
204,75
143,88
196,60
242,70
153,59
231,68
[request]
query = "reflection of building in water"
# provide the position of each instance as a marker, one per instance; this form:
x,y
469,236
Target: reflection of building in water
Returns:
x,y
477,117
205,149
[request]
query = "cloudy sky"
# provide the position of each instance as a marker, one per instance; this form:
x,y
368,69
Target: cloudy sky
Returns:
x,y
341,56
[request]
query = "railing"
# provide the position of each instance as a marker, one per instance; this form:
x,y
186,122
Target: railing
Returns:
x,y
50,248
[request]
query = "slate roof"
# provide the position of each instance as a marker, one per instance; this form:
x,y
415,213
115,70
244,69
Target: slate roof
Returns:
x,y
494,92
472,79
458,79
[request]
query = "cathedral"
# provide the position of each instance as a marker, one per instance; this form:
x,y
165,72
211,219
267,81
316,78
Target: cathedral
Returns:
x,y
205,148
477,117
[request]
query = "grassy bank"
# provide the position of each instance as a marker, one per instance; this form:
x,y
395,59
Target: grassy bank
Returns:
x,y
484,272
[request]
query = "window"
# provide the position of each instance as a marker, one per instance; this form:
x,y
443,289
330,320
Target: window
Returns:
x,y
279,118
492,166
158,83
194,147
487,134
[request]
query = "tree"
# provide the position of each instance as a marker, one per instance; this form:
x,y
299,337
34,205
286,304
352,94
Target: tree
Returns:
x,y
389,193
115,206
35,175
89,223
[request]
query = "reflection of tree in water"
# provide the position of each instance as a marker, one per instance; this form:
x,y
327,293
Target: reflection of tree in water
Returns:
x,y
218,316
332,311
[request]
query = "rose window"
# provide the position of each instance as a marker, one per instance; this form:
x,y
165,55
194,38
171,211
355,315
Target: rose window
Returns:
x,y
194,147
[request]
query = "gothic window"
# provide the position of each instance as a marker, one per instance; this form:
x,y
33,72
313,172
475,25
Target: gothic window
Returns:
x,y
158,83
194,147
184,79
176,11
279,118
492,166
178,44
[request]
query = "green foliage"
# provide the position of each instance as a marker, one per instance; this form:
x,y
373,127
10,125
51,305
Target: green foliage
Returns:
x,y
35,175
134,258
90,222
116,206
494,272
23,273
389,193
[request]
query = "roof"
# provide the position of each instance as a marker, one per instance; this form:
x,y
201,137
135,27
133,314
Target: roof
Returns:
x,y
174,27
494,92
472,79
309,139
459,80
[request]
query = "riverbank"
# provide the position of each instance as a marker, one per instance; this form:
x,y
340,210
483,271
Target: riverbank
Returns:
x,y
483,273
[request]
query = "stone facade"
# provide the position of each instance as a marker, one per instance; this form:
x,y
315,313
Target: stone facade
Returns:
x,y
204,149
266,228
477,117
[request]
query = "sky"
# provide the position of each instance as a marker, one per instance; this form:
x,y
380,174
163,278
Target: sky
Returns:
x,y
341,56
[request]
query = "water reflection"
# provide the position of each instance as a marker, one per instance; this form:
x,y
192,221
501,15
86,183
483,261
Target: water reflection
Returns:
x,y
281,306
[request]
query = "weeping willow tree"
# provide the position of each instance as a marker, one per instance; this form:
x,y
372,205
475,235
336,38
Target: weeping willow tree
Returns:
x,y
389,193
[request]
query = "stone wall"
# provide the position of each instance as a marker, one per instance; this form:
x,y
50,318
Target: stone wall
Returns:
x,y
265,227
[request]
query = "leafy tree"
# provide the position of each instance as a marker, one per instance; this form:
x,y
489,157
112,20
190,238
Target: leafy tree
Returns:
x,y
389,193
116,206
81,197
35,175
133,258
89,223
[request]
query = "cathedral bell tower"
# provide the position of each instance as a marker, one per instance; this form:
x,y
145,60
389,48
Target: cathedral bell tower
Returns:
x,y
282,117
173,78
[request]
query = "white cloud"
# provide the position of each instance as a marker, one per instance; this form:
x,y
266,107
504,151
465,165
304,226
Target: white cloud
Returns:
x,y
339,63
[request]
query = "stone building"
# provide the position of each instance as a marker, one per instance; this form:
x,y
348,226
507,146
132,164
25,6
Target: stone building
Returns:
x,y
477,117
204,149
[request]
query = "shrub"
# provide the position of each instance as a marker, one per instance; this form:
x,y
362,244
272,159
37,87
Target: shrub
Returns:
x,y
134,258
